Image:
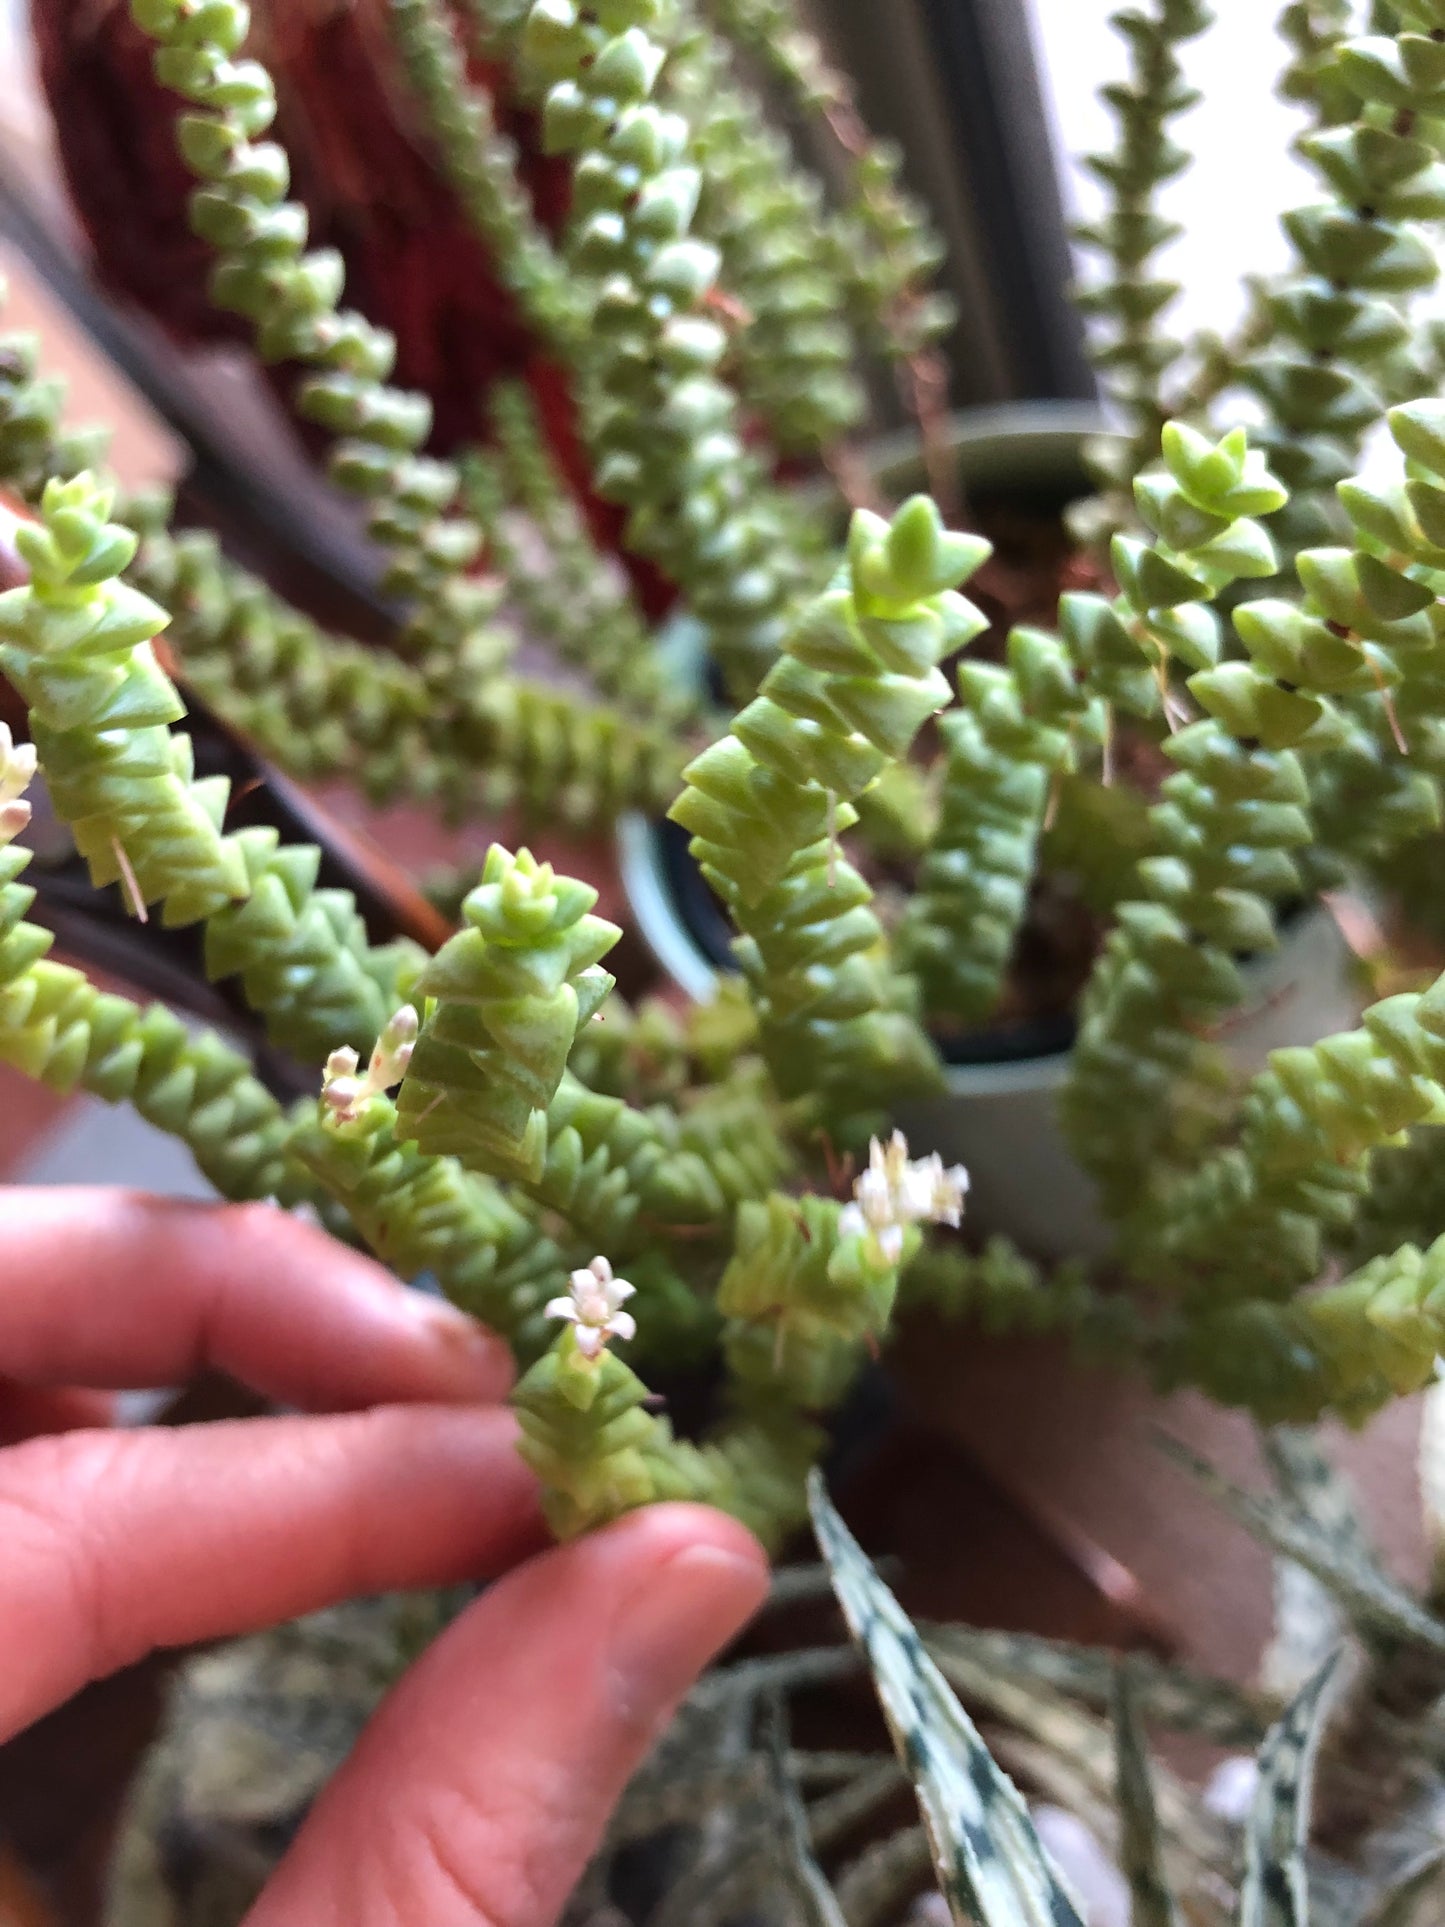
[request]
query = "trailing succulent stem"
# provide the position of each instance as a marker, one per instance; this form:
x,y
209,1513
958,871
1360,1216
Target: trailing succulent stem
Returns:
x,y
1337,326
1368,634
794,349
1224,831
1130,295
885,246
565,589
35,447
481,164
662,423
308,700
57,1028
423,1214
1005,750
265,273
76,642
857,679
507,998
599,1453
1347,1348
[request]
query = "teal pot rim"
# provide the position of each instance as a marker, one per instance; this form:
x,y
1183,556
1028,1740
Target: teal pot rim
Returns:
x,y
1011,445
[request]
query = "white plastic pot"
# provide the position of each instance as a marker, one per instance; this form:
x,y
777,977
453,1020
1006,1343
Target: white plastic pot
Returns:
x,y
1001,1120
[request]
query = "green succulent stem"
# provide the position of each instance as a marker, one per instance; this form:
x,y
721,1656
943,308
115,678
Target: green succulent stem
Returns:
x,y
1005,749
794,347
264,272
569,593
481,164
599,1453
1224,832
505,1001
425,1215
1361,251
58,1028
857,680
885,248
76,642
1257,1214
1129,296
661,421
1348,1348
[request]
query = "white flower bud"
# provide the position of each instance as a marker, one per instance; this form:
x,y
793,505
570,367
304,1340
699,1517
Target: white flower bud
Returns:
x,y
345,1093
17,770
14,818
394,1049
344,1097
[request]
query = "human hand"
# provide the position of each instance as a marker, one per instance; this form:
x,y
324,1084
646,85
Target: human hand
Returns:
x,y
481,1787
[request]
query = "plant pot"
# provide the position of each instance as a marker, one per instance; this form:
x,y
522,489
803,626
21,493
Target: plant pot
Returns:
x,y
1032,449
1000,1118
998,1114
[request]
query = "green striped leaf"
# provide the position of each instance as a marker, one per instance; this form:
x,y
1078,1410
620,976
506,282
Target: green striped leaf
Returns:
x,y
817,1903
1141,1846
1417,1898
1373,1602
991,1865
1276,1890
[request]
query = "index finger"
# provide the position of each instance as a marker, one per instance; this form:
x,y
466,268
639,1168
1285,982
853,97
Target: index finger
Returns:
x,y
113,1289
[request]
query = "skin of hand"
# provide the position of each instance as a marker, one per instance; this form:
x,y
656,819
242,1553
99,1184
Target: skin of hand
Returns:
x,y
483,1784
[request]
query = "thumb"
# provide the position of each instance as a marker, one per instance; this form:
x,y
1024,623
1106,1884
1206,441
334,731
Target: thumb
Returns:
x,y
481,1789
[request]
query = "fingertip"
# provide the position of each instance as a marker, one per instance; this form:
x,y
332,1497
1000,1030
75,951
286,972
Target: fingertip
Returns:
x,y
370,1338
513,1737
697,1577
658,1533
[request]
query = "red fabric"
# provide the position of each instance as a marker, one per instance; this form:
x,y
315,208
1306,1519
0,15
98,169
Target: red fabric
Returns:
x,y
360,164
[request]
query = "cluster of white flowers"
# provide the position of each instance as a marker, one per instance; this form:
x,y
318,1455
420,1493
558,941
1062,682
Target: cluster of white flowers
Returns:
x,y
594,1307
346,1092
895,1192
17,769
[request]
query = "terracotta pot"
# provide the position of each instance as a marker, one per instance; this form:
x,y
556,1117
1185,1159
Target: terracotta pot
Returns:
x,y
1077,1448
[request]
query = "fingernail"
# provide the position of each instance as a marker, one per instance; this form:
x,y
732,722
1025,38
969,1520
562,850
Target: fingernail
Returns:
x,y
674,1623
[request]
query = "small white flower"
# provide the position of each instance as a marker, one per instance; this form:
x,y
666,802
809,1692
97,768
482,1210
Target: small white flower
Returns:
x,y
594,1307
895,1192
344,1093
17,768
935,1194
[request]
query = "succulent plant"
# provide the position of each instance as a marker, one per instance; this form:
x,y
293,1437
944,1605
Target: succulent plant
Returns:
x,y
1260,633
